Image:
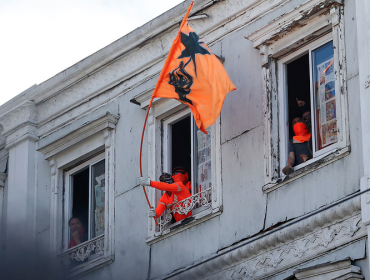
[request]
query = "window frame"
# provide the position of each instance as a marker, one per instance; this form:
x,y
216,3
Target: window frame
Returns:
x,y
69,199
66,148
283,93
279,39
167,109
166,146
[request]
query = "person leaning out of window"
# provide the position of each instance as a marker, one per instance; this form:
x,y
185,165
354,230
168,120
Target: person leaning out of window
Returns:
x,y
300,147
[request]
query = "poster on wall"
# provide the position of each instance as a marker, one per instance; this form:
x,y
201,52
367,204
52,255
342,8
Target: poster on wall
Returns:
x,y
99,221
327,103
100,191
204,160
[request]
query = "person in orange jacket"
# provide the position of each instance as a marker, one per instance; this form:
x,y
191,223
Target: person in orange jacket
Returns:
x,y
179,174
174,192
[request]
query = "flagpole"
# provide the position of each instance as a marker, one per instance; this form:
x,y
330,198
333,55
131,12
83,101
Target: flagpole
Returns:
x,y
151,100
141,151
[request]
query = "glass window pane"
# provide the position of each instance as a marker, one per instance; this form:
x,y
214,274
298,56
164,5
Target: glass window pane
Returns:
x,y
324,96
80,197
98,198
202,160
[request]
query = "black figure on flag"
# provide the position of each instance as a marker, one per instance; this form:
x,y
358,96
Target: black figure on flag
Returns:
x,y
179,77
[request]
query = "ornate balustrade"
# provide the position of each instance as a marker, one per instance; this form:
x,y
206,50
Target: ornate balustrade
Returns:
x,y
183,207
81,253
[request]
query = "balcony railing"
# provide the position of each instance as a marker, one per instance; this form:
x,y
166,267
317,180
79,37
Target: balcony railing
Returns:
x,y
82,253
183,207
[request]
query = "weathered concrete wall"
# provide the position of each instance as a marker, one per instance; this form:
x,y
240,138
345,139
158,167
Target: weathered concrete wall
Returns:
x,y
247,210
43,198
242,110
337,179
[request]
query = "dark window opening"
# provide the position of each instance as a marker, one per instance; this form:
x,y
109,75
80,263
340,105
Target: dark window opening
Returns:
x,y
298,83
80,199
181,145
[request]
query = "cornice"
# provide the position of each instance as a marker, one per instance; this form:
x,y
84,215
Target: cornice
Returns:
x,y
24,114
139,53
297,17
293,244
55,144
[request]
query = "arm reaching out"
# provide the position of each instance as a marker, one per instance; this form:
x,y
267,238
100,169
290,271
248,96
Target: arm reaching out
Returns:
x,y
165,187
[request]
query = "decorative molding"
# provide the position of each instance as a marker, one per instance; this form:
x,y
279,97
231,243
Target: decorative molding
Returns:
x,y
107,121
2,179
298,251
143,61
367,82
24,114
19,124
295,19
342,269
283,248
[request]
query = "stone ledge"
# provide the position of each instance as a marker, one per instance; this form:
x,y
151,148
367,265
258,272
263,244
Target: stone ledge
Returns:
x,y
284,247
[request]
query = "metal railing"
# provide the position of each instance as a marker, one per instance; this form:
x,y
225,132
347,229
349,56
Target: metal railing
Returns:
x,y
81,253
183,207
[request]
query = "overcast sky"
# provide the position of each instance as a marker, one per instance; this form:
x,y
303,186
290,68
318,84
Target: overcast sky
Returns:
x,y
40,38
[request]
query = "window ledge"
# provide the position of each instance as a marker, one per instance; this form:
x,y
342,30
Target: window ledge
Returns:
x,y
319,163
97,260
89,266
196,219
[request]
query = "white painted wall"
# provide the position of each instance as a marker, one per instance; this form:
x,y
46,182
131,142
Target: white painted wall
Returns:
x,y
247,210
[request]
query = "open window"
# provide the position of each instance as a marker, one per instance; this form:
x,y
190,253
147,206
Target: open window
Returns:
x,y
185,145
82,165
174,140
308,76
303,57
85,197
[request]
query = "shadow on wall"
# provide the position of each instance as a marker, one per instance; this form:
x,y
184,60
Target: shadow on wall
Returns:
x,y
26,262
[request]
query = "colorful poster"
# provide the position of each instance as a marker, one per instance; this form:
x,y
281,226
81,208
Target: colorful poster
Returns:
x,y
100,191
99,221
327,103
204,160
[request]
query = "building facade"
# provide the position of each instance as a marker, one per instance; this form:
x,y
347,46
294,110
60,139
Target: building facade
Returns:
x,y
70,147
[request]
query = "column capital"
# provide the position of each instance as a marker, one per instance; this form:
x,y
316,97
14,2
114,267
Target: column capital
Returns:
x,y
2,179
19,124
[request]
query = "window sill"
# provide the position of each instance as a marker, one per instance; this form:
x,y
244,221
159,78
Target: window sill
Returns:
x,y
316,164
89,266
84,250
196,219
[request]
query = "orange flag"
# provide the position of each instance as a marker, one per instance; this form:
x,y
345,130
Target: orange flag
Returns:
x,y
193,75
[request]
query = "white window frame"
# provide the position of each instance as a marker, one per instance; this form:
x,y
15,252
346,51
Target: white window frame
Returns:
x,y
167,136
283,118
69,193
68,147
287,37
163,113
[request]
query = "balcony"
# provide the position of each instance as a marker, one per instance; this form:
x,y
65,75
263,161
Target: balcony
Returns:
x,y
197,203
84,258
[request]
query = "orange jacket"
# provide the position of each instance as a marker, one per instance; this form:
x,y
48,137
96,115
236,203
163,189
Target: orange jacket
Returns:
x,y
179,192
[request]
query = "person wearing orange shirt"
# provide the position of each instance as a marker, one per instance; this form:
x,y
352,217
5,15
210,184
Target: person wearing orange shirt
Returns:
x,y
299,147
179,174
174,192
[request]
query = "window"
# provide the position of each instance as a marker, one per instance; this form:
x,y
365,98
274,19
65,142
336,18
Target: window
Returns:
x,y
82,165
185,145
309,77
303,57
174,140
85,193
